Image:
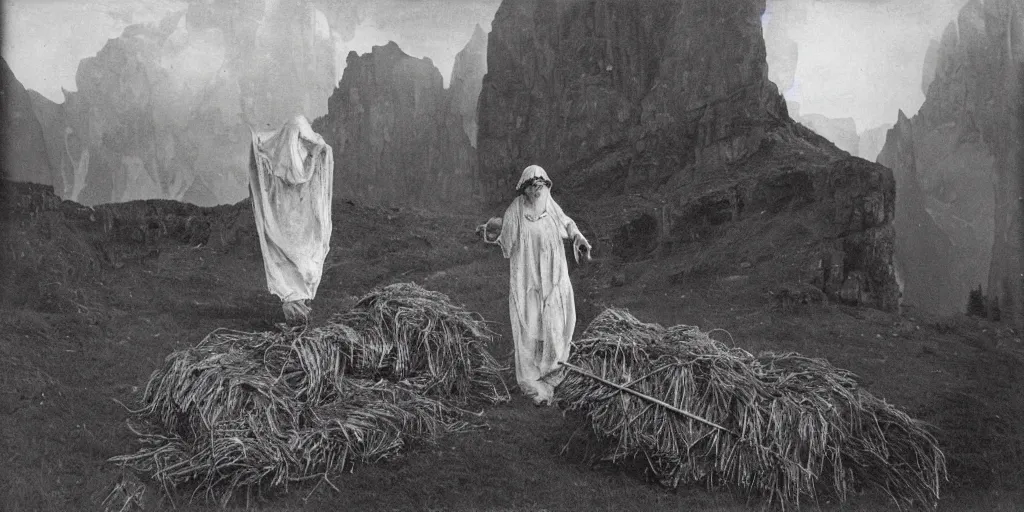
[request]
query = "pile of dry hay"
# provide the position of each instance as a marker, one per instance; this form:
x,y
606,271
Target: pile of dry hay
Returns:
x,y
264,410
778,426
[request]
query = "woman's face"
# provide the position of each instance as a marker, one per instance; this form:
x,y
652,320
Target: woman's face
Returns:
x,y
535,189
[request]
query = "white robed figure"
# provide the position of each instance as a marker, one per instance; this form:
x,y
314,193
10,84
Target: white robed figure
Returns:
x,y
541,304
291,173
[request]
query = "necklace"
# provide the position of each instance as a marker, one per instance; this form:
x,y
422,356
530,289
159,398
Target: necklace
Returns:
x,y
530,213
532,218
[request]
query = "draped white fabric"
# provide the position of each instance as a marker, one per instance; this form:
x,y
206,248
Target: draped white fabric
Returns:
x,y
541,303
291,175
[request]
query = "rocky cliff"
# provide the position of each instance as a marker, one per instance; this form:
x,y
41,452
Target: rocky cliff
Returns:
x,y
397,134
658,118
569,81
931,59
967,166
925,255
842,132
872,140
467,80
25,157
50,117
164,111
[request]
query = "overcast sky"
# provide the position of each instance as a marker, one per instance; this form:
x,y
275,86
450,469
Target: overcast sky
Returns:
x,y
857,58
861,58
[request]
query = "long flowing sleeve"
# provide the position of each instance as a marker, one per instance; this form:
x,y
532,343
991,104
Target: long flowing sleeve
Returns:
x,y
509,236
567,226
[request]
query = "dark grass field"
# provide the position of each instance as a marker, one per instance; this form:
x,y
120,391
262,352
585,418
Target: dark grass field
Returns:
x,y
76,342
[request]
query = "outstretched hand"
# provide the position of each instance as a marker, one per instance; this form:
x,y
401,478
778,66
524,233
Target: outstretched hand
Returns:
x,y
580,244
493,225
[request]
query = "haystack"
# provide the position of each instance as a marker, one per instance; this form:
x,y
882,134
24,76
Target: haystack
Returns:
x,y
780,427
259,411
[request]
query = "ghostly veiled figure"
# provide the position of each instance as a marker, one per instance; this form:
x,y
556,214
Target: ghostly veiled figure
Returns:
x,y
291,172
541,303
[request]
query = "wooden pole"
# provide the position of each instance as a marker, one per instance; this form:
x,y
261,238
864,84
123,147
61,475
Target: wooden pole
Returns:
x,y
677,410
634,392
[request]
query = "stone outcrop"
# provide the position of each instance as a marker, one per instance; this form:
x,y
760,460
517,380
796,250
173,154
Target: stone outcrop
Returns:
x,y
165,111
467,80
25,158
397,134
658,117
966,169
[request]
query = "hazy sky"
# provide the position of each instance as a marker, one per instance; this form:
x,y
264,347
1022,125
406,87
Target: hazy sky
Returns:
x,y
857,58
43,40
860,58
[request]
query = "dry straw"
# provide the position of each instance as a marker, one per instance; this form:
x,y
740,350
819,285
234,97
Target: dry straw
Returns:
x,y
257,411
779,426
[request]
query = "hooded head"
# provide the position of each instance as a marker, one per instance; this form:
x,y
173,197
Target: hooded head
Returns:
x,y
530,175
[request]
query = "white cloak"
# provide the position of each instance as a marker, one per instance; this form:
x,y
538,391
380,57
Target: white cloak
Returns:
x,y
291,176
541,303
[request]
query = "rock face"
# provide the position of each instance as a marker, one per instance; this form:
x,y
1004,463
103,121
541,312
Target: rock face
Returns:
x,y
569,81
24,148
50,117
467,80
165,111
663,109
871,141
931,59
842,132
966,164
925,255
398,135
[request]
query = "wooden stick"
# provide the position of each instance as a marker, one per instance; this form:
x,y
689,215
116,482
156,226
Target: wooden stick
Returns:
x,y
668,406
677,410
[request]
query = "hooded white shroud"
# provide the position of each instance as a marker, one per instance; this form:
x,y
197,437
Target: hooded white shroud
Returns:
x,y
291,175
541,303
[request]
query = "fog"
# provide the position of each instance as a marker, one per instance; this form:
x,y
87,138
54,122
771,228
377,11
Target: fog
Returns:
x,y
855,58
44,40
861,59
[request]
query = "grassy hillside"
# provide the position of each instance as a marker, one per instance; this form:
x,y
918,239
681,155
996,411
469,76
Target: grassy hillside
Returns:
x,y
94,300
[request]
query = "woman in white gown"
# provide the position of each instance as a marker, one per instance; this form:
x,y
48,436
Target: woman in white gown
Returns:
x,y
540,300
